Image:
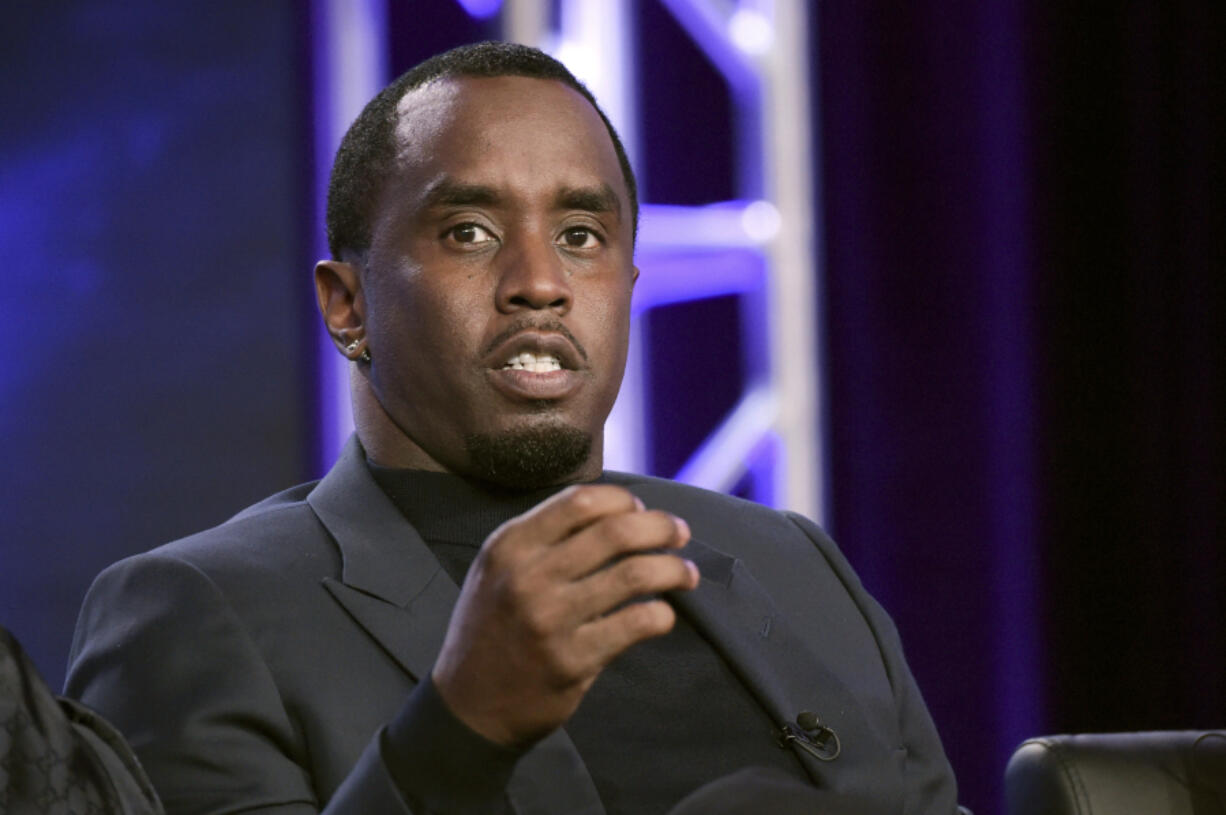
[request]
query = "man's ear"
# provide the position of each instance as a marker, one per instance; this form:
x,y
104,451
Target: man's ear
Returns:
x,y
338,290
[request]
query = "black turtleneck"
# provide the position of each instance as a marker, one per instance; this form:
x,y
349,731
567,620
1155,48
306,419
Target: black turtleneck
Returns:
x,y
664,718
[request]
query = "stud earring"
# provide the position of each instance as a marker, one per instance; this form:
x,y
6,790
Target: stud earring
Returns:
x,y
353,346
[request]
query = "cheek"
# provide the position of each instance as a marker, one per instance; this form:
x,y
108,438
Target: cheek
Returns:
x,y
411,316
610,322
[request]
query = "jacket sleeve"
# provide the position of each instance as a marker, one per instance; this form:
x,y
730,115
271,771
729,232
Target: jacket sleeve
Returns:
x,y
160,651
928,776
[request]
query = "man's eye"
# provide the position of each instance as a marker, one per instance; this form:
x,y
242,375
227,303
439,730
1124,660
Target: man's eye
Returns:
x,y
470,234
580,237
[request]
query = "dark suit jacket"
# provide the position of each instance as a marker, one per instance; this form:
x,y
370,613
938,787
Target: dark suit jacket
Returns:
x,y
253,664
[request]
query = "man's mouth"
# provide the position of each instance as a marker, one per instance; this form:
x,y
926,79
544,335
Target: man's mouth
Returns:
x,y
525,345
541,363
536,366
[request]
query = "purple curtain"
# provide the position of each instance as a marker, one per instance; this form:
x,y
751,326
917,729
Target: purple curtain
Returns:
x,y
1026,306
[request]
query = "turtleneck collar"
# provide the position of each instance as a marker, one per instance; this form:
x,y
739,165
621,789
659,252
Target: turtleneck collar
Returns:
x,y
447,508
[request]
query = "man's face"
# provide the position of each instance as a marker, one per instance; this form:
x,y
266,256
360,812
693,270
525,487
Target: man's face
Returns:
x,y
497,286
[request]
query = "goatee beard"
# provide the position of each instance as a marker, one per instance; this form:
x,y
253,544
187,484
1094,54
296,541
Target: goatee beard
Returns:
x,y
528,459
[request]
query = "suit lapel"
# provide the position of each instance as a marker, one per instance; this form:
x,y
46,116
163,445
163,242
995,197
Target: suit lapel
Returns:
x,y
391,583
393,586
738,617
411,635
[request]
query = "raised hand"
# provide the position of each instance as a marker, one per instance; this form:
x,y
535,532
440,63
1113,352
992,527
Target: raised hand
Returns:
x,y
547,605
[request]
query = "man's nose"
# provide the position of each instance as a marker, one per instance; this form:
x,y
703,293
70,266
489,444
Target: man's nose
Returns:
x,y
533,276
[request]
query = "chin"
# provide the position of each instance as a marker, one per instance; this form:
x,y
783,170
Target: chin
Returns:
x,y
529,458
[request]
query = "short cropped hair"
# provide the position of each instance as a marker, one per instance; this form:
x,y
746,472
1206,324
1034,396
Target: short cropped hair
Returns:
x,y
367,152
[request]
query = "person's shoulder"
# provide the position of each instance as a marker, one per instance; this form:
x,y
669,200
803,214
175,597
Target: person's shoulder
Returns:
x,y
269,536
292,498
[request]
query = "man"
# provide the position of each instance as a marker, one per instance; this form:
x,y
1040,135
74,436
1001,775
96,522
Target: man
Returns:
x,y
442,624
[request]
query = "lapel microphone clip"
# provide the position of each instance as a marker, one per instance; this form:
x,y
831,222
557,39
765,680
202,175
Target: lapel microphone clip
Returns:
x,y
810,735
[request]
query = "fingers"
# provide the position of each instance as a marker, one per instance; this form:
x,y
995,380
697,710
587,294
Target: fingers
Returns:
x,y
616,536
586,527
578,506
633,577
567,512
604,638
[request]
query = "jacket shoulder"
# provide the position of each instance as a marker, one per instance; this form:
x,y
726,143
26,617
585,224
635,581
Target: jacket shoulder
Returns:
x,y
276,536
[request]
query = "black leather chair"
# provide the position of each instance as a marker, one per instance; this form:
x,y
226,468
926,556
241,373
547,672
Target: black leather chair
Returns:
x,y
1177,772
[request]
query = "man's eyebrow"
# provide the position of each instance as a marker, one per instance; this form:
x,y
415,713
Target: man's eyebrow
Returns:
x,y
448,192
456,194
591,199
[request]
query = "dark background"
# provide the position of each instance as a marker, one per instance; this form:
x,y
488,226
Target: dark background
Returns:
x,y
1025,317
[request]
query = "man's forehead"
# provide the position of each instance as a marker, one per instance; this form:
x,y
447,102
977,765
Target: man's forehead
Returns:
x,y
450,130
423,112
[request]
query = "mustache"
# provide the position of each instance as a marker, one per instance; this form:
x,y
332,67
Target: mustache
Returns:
x,y
528,324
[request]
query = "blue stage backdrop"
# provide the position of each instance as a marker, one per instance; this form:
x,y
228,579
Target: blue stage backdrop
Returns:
x,y
151,214
1025,310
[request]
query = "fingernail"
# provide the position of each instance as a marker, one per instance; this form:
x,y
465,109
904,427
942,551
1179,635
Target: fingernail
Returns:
x,y
685,528
638,502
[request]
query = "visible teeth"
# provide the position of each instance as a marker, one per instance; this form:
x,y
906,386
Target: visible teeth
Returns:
x,y
533,363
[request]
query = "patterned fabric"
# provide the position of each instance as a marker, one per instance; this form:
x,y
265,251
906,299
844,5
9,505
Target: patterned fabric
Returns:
x,y
56,756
